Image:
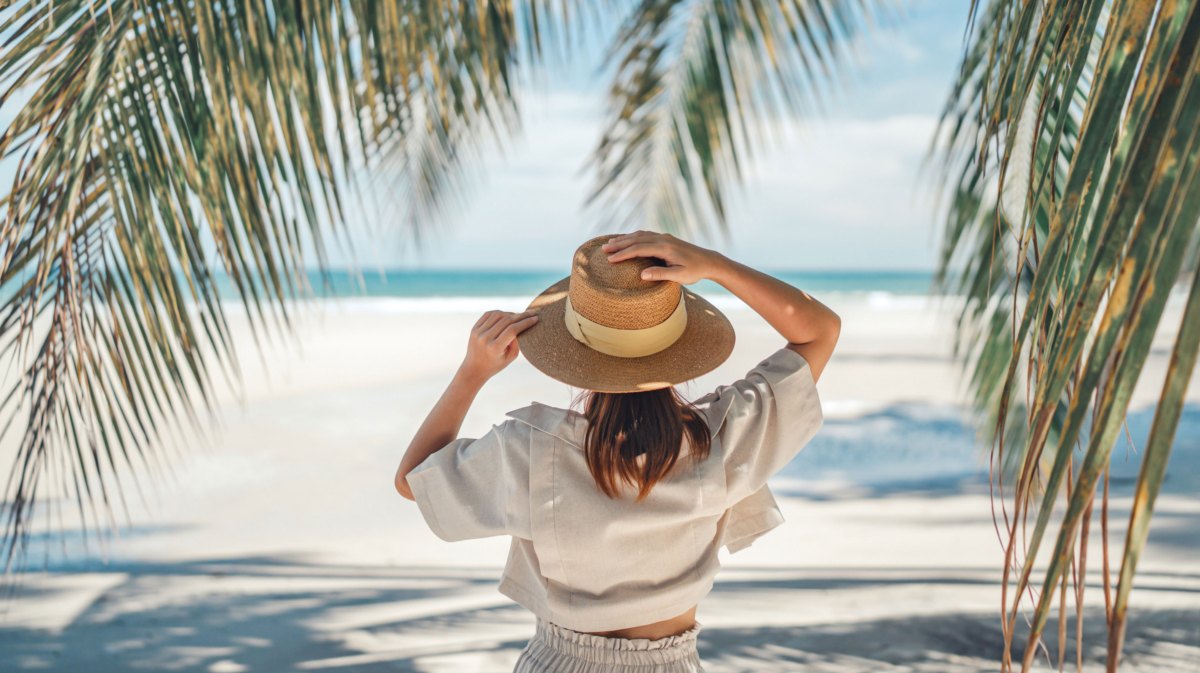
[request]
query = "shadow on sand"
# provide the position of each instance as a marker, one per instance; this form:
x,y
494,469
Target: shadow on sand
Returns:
x,y
268,615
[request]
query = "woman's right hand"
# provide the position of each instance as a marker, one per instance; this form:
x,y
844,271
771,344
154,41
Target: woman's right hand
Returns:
x,y
686,262
493,343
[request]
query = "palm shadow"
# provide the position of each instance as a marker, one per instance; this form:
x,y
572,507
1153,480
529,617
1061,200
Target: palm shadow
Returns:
x,y
267,615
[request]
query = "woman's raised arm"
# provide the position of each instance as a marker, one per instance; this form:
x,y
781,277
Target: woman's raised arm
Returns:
x,y
810,327
492,347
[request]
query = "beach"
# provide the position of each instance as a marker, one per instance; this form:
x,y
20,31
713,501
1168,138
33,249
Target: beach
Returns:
x,y
277,543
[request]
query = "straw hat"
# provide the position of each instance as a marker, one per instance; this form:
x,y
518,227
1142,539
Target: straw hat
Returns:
x,y
605,329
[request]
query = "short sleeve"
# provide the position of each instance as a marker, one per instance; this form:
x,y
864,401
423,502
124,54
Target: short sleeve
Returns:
x,y
474,488
763,420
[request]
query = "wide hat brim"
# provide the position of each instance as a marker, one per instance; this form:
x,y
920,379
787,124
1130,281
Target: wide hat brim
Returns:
x,y
706,342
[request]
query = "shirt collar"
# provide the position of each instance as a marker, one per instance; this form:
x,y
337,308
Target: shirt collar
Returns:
x,y
566,424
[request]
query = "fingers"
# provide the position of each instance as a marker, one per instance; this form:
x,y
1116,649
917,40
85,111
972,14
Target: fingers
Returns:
x,y
487,320
625,240
495,328
509,334
663,273
638,250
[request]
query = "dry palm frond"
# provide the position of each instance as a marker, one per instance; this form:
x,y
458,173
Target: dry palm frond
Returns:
x,y
1092,109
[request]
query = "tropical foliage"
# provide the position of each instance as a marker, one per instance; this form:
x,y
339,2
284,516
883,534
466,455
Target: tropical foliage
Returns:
x,y
697,88
1070,147
159,143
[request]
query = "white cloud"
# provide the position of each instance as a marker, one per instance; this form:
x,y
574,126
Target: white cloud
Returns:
x,y
845,194
838,194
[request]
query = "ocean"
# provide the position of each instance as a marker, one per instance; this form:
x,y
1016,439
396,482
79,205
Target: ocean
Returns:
x,y
513,283
471,289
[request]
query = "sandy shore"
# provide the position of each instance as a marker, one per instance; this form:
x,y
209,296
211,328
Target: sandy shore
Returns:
x,y
280,545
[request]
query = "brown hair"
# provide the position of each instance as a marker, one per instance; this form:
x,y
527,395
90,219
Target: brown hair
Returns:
x,y
621,426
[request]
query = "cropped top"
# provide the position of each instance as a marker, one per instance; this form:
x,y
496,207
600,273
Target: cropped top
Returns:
x,y
592,563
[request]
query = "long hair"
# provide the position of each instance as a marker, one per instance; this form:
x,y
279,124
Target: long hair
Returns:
x,y
654,423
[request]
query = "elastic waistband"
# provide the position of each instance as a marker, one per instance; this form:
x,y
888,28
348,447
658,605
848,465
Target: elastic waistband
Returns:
x,y
605,649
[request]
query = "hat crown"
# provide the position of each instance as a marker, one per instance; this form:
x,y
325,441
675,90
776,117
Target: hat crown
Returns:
x,y
616,295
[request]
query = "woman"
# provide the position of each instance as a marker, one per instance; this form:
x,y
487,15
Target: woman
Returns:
x,y
616,513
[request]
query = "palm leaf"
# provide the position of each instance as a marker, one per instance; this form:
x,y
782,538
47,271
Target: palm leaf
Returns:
x,y
698,84
1100,100
161,142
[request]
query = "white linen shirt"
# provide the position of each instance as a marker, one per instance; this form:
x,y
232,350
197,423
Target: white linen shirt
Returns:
x,y
591,563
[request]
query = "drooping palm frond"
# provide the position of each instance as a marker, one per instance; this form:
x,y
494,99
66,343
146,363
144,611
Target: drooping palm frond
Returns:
x,y
1075,125
697,86
162,142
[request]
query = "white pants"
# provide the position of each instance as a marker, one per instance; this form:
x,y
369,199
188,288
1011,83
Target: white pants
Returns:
x,y
557,649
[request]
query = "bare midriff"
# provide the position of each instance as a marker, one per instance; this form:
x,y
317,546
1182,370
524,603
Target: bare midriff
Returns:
x,y
667,627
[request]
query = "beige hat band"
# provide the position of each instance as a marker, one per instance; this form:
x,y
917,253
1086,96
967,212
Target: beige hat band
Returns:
x,y
626,343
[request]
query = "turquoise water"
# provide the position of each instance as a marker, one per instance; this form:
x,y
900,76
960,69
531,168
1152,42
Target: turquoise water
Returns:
x,y
505,283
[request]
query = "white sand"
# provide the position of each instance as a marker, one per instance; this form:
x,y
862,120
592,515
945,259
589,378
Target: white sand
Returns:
x,y
282,546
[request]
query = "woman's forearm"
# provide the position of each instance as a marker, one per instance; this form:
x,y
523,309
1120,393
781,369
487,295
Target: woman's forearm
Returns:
x,y
810,327
491,347
441,426
794,313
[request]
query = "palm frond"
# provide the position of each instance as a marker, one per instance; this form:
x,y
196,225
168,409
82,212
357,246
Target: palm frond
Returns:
x,y
1090,108
161,143
697,85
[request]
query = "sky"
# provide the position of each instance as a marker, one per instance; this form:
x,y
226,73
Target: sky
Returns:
x,y
843,190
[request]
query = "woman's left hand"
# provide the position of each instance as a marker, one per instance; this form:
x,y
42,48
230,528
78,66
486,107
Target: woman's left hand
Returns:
x,y
493,342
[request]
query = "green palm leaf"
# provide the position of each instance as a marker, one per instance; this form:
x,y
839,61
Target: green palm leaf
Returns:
x,y
160,142
697,86
1101,99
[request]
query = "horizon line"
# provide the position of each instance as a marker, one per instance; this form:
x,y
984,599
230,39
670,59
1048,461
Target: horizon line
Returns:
x,y
387,268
